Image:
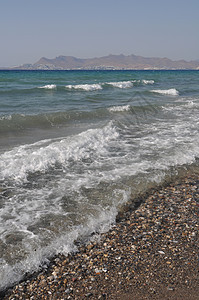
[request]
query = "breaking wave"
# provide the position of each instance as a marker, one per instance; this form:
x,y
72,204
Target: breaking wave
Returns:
x,y
85,87
79,87
172,92
19,162
121,84
119,108
148,81
48,86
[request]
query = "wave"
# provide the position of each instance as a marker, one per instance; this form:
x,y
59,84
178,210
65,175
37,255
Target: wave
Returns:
x,y
40,156
85,87
64,243
48,86
188,104
28,90
148,81
100,86
7,117
74,87
19,122
172,92
121,84
119,108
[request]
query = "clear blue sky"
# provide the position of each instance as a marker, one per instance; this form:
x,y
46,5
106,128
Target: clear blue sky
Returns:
x,y
30,29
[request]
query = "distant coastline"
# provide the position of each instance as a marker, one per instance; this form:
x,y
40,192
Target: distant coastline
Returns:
x,y
110,62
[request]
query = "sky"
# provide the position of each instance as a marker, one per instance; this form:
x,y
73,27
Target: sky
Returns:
x,y
31,29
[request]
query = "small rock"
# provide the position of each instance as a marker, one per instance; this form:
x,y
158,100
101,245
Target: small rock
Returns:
x,y
103,296
92,279
89,247
67,291
153,290
74,279
54,274
97,271
88,295
170,288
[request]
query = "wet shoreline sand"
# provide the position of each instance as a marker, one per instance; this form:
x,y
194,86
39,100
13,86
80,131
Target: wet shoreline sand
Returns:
x,y
150,253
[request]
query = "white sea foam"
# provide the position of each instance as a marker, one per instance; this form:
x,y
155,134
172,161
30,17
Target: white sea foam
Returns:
x,y
119,108
121,84
32,208
191,104
85,87
172,92
37,256
188,104
48,86
8,117
38,157
148,81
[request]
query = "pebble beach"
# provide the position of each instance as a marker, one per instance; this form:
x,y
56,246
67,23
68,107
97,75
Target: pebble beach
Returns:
x,y
151,252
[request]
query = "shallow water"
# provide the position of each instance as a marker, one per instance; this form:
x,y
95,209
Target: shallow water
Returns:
x,y
76,145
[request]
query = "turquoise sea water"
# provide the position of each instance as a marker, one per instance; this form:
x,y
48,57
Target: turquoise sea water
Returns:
x,y
76,145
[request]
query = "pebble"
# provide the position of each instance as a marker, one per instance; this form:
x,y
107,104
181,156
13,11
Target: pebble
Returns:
x,y
161,252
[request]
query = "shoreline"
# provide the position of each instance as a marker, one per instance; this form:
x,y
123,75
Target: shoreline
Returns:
x,y
150,253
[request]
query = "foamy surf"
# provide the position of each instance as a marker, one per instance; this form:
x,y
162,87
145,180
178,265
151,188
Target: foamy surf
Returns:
x,y
9,117
48,86
84,87
148,81
121,84
36,256
172,92
99,86
119,108
39,157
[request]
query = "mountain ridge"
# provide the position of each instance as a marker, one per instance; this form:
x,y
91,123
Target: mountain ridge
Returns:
x,y
110,62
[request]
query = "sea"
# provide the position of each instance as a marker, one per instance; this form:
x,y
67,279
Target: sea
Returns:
x,y
75,146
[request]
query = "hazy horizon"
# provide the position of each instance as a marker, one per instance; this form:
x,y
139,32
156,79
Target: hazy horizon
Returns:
x,y
4,67
31,30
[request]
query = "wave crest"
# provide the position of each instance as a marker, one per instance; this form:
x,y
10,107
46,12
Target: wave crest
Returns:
x,y
121,84
40,156
119,108
85,87
148,81
48,86
172,92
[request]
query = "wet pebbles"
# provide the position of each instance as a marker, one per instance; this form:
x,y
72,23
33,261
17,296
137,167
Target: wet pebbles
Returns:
x,y
151,253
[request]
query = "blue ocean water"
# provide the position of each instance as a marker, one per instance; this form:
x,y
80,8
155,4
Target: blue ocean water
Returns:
x,y
76,145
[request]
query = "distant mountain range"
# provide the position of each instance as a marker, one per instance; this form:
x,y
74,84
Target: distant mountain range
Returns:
x,y
110,62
